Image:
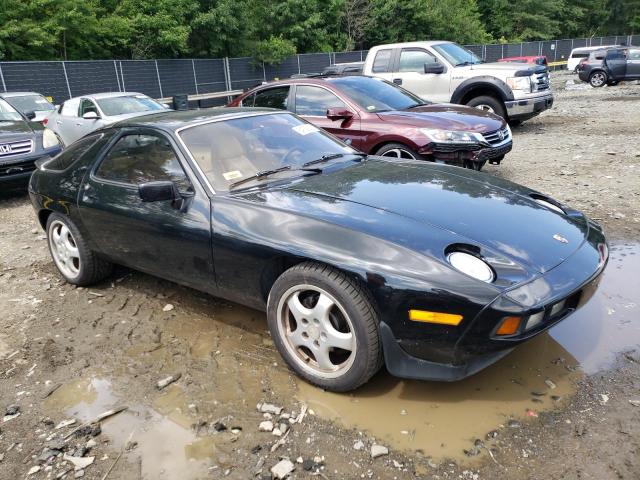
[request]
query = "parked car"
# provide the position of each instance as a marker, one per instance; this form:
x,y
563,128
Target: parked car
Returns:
x,y
350,68
446,72
380,118
356,260
610,66
533,59
31,105
22,143
578,54
79,116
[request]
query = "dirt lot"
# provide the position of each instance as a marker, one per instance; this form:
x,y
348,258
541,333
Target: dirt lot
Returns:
x,y
564,406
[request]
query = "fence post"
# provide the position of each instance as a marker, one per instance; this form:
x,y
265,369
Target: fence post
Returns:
x,y
264,72
158,75
4,85
66,79
298,58
521,47
195,78
227,76
115,67
124,87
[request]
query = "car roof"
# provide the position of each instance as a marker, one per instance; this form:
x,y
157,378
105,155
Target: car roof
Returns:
x,y
99,96
590,49
18,94
425,43
175,119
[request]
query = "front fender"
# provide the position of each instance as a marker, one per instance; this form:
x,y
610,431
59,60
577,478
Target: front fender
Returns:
x,y
494,84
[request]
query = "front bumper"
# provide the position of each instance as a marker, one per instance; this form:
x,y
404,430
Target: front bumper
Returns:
x,y
21,168
526,108
461,154
475,345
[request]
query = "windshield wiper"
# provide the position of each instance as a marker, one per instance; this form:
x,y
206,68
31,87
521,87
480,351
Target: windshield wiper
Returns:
x,y
326,158
266,173
417,105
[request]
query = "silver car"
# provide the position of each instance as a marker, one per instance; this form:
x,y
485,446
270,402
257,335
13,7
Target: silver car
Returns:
x,y
32,105
82,115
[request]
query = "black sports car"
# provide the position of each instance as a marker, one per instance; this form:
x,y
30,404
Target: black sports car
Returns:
x,y
437,271
22,142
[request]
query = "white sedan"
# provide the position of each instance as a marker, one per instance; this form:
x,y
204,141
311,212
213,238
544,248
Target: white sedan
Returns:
x,y
79,116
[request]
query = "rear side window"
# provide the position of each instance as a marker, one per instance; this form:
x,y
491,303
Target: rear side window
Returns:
x,y
381,61
72,154
615,55
272,98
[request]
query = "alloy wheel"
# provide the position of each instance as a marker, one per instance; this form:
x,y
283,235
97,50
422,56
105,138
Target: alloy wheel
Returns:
x,y
485,108
598,79
399,153
316,331
64,249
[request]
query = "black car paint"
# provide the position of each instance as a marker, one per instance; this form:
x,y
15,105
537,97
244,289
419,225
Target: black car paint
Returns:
x,y
379,221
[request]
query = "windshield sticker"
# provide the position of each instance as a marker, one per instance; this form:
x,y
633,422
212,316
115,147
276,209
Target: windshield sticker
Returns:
x,y
232,175
305,129
371,107
41,100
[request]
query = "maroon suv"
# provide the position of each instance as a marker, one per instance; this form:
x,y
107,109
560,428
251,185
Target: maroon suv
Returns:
x,y
380,118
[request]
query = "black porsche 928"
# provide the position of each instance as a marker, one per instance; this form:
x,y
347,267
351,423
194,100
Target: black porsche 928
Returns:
x,y
358,260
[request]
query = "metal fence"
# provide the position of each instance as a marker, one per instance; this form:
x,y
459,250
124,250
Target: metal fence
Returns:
x,y
165,78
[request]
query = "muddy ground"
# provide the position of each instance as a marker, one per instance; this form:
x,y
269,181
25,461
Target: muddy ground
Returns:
x,y
564,406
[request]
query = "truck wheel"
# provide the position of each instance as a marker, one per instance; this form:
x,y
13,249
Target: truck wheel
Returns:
x,y
325,326
398,150
488,104
598,79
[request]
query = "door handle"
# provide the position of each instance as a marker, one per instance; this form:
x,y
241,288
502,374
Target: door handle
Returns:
x,y
397,81
59,122
78,124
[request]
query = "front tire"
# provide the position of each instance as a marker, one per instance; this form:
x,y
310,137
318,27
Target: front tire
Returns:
x,y
71,254
598,79
325,327
488,104
398,150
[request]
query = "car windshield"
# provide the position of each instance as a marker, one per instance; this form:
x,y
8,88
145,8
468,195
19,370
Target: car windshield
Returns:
x,y
8,113
123,105
456,54
30,103
229,151
375,94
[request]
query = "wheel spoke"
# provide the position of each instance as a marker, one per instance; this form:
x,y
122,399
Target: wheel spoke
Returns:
x,y
322,358
338,339
322,309
55,234
298,310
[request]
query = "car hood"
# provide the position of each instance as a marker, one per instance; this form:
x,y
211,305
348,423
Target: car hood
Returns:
x,y
482,209
508,67
445,116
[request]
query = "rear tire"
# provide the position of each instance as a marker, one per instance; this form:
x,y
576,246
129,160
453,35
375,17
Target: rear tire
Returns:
x,y
488,104
325,326
71,254
598,79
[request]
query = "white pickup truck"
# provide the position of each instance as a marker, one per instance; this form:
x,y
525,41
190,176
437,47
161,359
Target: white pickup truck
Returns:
x,y
446,72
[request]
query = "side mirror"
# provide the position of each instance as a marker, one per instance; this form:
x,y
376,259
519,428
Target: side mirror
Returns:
x,y
436,68
91,116
339,113
30,115
158,191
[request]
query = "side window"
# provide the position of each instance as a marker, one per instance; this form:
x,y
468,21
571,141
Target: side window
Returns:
x,y
381,61
137,158
315,101
72,153
248,101
414,60
70,108
272,98
615,54
87,106
634,54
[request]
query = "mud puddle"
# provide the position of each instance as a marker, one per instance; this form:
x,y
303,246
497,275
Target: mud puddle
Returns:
x,y
443,419
166,446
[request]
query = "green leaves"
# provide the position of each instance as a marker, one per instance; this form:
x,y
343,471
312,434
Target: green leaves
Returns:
x,y
270,30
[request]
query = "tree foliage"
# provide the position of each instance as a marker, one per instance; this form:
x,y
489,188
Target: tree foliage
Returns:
x,y
273,29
